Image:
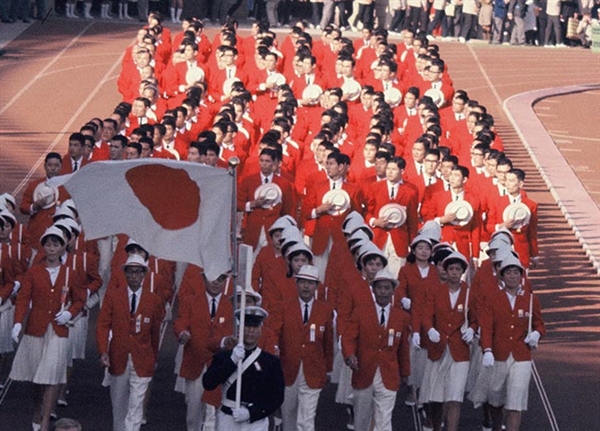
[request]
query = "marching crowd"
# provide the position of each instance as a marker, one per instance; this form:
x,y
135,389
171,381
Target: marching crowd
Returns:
x,y
391,234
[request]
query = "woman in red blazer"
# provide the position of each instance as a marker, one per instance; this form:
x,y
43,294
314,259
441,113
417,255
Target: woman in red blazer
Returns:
x,y
415,277
511,327
450,329
56,295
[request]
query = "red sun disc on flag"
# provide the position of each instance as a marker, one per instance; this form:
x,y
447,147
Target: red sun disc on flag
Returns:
x,y
170,195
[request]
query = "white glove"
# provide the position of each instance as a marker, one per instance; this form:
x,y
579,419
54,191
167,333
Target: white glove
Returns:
x,y
488,360
238,353
533,339
406,303
240,415
16,288
433,335
416,340
468,335
16,330
62,317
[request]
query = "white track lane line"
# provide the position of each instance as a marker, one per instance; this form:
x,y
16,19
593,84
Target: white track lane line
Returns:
x,y
538,380
485,75
43,71
67,126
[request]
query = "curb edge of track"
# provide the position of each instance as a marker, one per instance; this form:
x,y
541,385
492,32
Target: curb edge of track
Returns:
x,y
545,154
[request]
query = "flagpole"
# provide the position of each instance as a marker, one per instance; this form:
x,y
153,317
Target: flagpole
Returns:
x,y
234,162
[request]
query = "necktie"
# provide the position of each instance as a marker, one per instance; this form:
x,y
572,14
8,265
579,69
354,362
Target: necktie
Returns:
x,y
504,192
74,165
382,320
430,180
213,308
333,186
456,198
266,180
305,319
420,169
228,73
133,303
392,193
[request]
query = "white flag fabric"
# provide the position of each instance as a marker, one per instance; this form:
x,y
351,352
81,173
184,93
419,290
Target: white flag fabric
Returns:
x,y
179,211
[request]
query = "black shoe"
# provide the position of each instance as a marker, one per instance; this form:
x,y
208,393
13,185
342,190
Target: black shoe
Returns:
x,y
8,20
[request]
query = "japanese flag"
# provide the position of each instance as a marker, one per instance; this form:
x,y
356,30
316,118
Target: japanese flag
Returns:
x,y
178,211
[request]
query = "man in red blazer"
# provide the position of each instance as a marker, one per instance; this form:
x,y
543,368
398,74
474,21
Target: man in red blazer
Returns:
x,y
525,237
259,213
304,326
74,159
467,236
133,316
375,347
328,233
199,318
393,240
40,211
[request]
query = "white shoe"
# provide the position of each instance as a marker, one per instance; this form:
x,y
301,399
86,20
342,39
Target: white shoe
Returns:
x,y
461,39
430,38
560,45
36,427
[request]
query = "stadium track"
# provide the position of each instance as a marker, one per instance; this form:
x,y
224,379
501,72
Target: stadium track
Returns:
x,y
57,75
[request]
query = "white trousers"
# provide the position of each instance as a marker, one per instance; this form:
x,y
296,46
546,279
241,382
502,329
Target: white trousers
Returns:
x,y
195,409
127,393
374,404
395,262
299,407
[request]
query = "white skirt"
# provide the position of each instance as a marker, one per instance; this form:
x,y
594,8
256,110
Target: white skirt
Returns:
x,y
444,380
6,324
418,359
42,360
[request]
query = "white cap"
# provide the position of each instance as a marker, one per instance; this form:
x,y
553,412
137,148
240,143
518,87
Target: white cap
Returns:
x,y
70,224
8,199
385,274
455,256
64,210
249,292
420,238
8,216
432,230
53,230
282,223
371,249
299,247
135,260
503,232
308,272
511,260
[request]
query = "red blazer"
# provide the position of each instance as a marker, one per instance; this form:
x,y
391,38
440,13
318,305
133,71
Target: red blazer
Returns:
x,y
328,225
370,342
45,299
267,272
194,316
258,218
67,164
40,221
357,292
295,343
136,335
525,238
415,287
407,196
467,237
447,321
504,330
